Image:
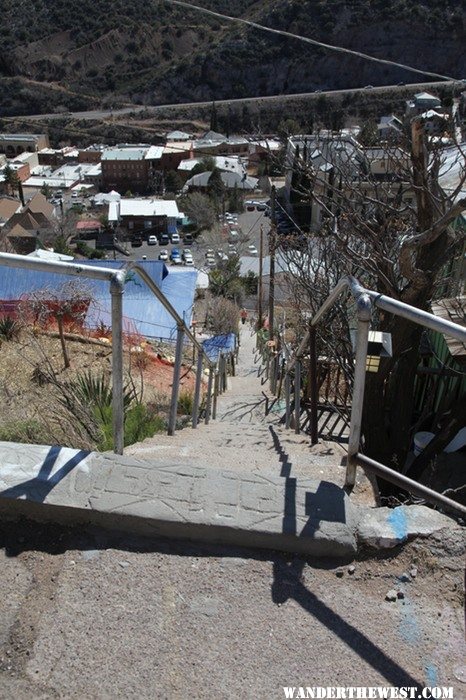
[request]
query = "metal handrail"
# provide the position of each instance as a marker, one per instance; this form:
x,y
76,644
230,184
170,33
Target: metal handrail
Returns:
x,y
365,299
117,278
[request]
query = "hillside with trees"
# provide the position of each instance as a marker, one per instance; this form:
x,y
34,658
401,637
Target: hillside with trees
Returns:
x,y
156,52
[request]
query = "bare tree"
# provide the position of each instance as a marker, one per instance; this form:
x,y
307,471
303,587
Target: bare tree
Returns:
x,y
64,305
396,232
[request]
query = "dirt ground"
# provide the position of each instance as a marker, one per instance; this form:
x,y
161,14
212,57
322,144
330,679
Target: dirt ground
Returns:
x,y
87,614
28,362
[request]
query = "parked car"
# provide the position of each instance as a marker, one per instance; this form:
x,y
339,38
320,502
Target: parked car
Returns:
x,y
164,239
252,250
187,257
233,234
152,240
261,206
175,238
163,255
188,238
175,257
136,241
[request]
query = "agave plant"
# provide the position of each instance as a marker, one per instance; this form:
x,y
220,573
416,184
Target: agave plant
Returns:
x,y
9,328
96,391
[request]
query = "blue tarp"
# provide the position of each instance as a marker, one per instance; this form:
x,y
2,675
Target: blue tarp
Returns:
x,y
143,314
219,344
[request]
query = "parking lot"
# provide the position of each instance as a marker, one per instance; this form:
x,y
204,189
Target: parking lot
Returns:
x,y
248,223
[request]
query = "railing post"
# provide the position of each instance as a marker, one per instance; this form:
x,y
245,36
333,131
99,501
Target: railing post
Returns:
x,y
297,396
362,335
197,390
273,378
176,380
209,395
313,387
287,401
225,374
216,389
118,417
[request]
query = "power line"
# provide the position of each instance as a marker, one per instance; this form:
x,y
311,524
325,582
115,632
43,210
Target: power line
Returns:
x,y
307,40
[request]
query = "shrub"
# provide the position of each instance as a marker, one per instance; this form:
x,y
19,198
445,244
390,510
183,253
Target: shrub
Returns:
x,y
185,402
29,430
9,328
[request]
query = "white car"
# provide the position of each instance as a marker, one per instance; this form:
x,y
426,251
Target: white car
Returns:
x,y
175,238
187,257
252,250
163,255
152,240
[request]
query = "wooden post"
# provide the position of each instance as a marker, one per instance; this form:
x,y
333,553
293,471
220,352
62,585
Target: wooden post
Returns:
x,y
287,401
313,385
197,390
209,395
259,289
297,396
176,380
272,234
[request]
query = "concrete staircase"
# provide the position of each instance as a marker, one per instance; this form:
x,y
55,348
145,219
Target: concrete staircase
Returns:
x,y
243,479
244,439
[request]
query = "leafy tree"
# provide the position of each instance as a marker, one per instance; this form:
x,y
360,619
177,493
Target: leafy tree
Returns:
x,y
225,280
46,191
215,186
369,134
288,127
213,118
198,207
173,181
235,201
205,165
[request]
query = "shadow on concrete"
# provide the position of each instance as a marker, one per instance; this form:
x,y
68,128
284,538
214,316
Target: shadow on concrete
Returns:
x,y
38,488
241,410
288,575
28,536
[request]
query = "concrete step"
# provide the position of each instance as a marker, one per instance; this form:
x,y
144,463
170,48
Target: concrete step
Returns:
x,y
181,500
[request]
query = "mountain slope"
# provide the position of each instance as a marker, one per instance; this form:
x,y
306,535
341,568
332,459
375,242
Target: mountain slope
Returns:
x,y
156,52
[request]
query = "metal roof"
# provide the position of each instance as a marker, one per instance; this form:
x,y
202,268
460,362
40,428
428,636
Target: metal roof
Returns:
x,y
124,154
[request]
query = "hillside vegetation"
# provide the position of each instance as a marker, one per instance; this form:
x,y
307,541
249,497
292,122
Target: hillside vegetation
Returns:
x,y
154,52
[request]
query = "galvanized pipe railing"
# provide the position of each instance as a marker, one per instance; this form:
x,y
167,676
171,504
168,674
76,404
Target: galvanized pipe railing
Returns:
x,y
117,278
365,299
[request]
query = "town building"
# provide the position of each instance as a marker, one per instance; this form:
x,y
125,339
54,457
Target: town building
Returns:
x,y
33,221
13,144
231,180
133,168
421,102
138,216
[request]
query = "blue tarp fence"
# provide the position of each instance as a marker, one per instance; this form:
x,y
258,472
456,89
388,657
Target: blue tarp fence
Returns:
x,y
219,344
142,312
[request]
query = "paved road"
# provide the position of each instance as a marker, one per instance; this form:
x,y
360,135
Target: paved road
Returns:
x,y
154,109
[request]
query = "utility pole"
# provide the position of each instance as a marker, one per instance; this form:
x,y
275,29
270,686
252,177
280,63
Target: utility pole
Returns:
x,y
261,257
272,235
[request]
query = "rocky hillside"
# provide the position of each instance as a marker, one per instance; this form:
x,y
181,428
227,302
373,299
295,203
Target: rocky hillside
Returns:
x,y
156,52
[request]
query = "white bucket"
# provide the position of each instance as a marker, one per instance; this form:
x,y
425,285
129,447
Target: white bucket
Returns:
x,y
458,442
421,440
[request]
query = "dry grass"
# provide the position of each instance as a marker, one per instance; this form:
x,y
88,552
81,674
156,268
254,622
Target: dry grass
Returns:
x,y
31,410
